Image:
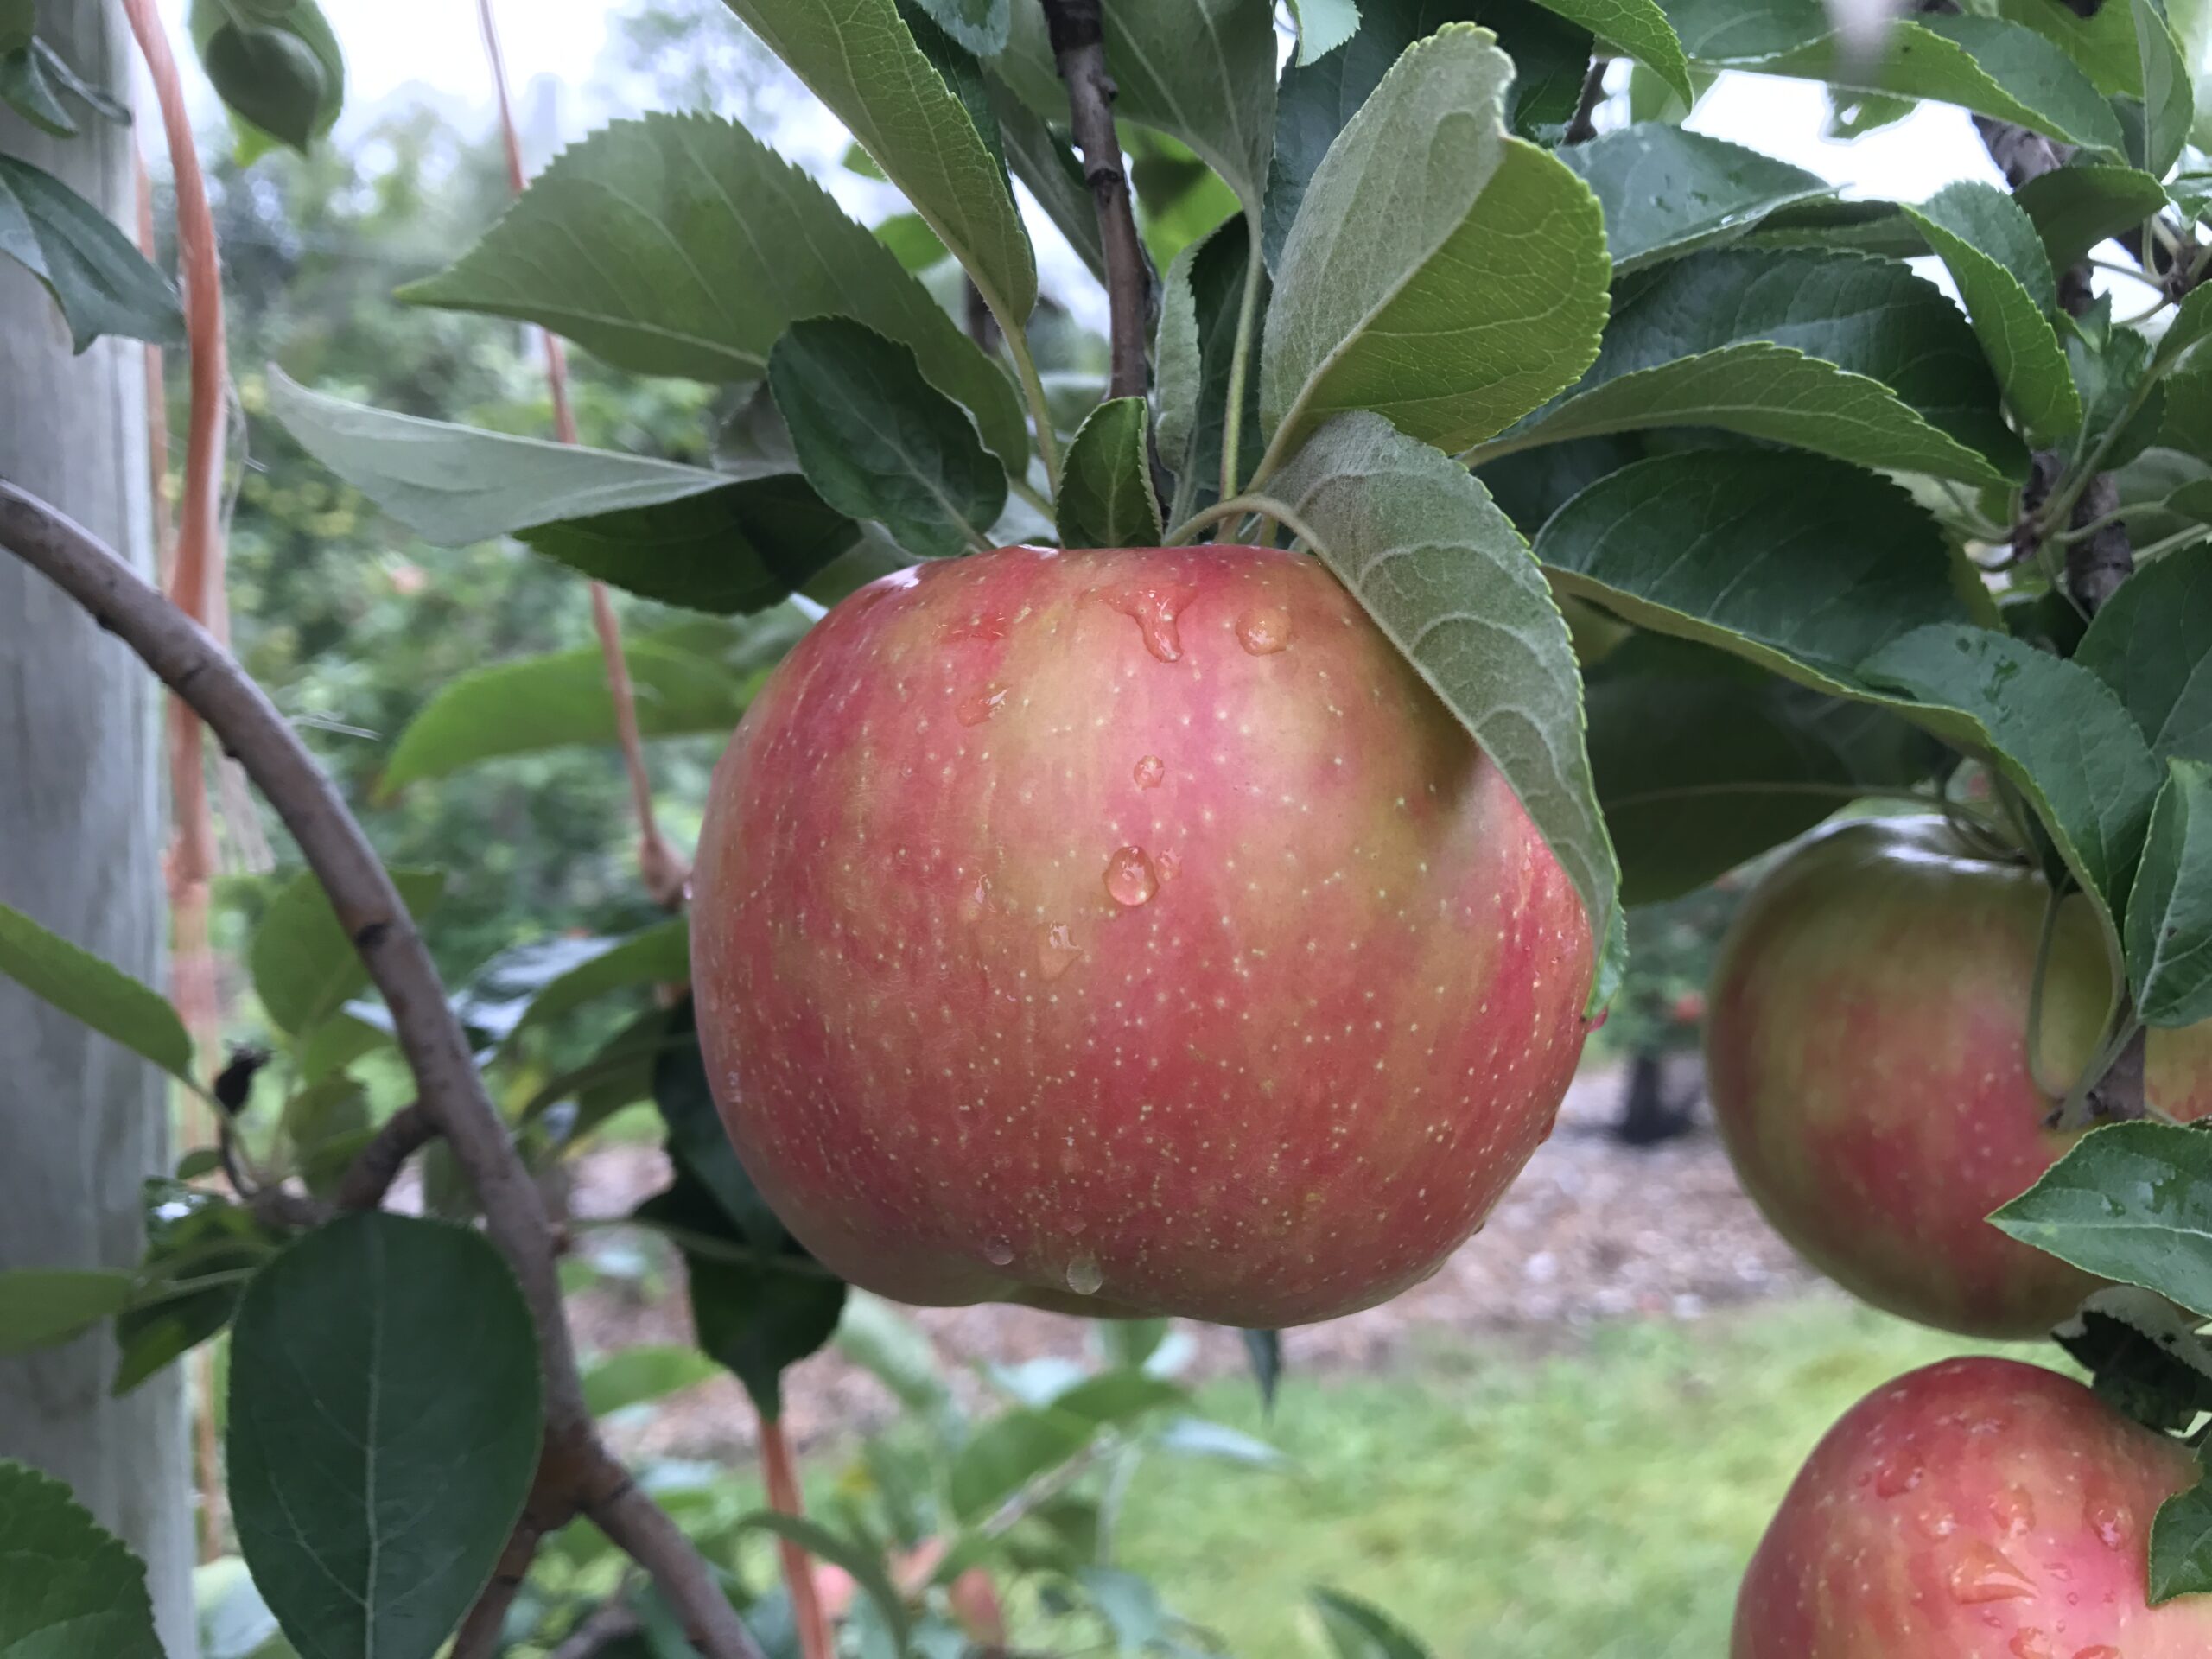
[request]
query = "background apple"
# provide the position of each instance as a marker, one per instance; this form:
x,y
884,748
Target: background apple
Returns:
x,y
1979,1508
1127,930
1867,1054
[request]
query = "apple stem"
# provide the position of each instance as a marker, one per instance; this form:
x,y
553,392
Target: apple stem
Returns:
x,y
1584,127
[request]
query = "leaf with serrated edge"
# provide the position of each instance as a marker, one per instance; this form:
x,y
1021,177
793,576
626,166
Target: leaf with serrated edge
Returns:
x,y
1855,357
41,1306
2129,1202
861,60
305,965
2076,207
1990,246
1638,27
95,273
698,677
723,243
2169,932
980,26
93,992
877,440
1323,25
2152,644
71,1587
2181,1546
2056,730
1444,573
1986,65
1106,497
385,1425
1451,295
1667,192
2169,101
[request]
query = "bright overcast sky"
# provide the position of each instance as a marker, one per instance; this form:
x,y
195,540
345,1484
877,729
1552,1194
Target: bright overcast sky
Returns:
x,y
392,45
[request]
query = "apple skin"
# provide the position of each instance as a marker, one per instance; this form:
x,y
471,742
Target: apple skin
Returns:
x,y
1126,931
1867,1057
1979,1509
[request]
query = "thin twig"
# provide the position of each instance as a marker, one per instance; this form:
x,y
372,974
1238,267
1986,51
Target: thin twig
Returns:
x,y
1078,35
665,870
1584,126
368,1180
190,661
816,1639
601,1629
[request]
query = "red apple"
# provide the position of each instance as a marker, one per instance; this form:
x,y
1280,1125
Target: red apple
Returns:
x,y
1126,931
1979,1508
1866,1054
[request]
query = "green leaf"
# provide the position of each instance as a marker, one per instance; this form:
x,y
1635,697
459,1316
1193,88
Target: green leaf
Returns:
x,y
1007,1453
1203,72
882,1341
660,955
2169,915
877,440
1703,761
72,1587
1804,565
1983,64
637,1376
33,78
1989,244
2152,644
1452,300
1202,295
2103,45
1448,579
306,965
1115,1398
42,1307
2078,205
1263,1354
18,21
94,993
2143,1354
2181,1546
2129,1202
2191,322
1053,173
979,25
859,58
199,1249
1349,1629
1323,25
724,245
1316,101
701,1145
288,90
911,241
756,1316
698,677
385,1417
2055,730
95,272
1129,1607
1667,192
1639,28
2169,101
455,485
1851,357
1106,497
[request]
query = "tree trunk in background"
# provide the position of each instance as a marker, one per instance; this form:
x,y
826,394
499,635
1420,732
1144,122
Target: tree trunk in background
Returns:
x,y
82,1122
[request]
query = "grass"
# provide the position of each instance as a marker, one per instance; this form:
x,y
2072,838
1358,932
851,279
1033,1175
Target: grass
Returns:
x,y
1597,1506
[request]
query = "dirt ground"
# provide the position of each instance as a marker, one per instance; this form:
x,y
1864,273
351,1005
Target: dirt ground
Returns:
x,y
1592,1231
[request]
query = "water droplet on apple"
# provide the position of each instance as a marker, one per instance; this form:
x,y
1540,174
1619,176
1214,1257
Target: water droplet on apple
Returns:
x,y
2111,1525
1264,630
1058,952
1150,770
2101,1652
1898,1477
1168,864
1130,879
2013,1510
1084,1276
998,1252
975,711
2030,1644
1981,1574
1154,607
1072,1224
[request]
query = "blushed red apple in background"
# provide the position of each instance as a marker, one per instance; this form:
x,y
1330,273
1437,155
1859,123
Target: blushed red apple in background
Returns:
x,y
1979,1508
1126,931
1867,1054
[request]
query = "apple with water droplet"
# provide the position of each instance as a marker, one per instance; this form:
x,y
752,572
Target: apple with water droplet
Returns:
x,y
1126,931
1866,1055
1977,1508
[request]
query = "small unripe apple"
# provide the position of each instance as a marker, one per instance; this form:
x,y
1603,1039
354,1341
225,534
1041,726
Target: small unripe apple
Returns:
x,y
1866,1054
1979,1508
1126,931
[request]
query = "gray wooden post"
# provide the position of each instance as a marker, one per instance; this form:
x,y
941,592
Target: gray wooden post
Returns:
x,y
81,1123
